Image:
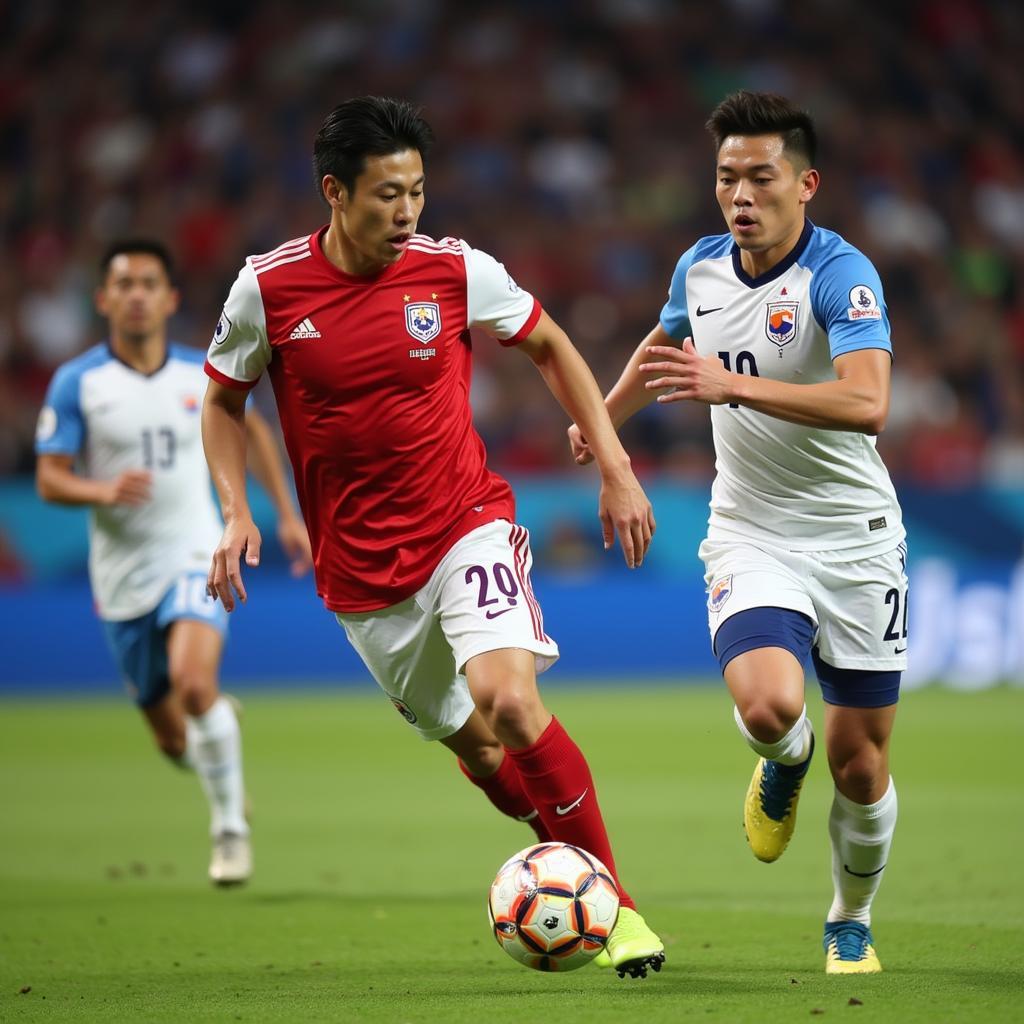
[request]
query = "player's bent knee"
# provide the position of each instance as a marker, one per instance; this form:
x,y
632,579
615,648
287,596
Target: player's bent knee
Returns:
x,y
195,690
517,716
769,720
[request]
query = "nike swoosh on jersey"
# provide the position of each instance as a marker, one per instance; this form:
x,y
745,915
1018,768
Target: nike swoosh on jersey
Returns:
x,y
494,615
565,810
704,312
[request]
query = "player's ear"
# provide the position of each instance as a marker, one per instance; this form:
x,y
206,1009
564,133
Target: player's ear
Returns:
x,y
334,192
99,298
809,181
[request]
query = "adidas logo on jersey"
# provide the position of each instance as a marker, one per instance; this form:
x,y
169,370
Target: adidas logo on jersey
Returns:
x,y
304,330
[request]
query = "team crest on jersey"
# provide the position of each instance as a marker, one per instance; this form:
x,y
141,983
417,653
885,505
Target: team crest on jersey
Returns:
x,y
404,710
719,593
46,425
222,330
423,320
190,403
780,323
863,304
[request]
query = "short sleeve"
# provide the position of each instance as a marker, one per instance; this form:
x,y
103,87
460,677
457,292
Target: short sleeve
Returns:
x,y
846,299
240,350
675,317
494,302
60,429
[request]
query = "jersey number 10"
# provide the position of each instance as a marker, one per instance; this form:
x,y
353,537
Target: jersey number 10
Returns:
x,y
744,364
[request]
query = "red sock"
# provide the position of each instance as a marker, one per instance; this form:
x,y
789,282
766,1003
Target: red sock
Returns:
x,y
505,790
557,781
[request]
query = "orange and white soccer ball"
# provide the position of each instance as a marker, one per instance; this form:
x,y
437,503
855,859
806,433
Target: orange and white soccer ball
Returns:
x,y
552,907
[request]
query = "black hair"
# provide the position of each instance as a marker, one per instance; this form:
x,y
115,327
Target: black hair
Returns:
x,y
362,127
131,246
765,113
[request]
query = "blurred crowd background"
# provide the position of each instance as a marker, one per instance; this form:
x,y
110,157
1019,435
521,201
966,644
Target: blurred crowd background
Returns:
x,y
570,145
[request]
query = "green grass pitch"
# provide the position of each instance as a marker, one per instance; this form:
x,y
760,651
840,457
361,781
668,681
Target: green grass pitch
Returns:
x,y
373,858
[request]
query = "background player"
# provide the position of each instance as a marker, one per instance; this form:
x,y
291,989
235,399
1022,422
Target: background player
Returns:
x,y
786,337
364,326
120,432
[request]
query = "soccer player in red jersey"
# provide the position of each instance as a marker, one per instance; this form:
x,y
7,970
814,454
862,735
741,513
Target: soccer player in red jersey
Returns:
x,y
363,327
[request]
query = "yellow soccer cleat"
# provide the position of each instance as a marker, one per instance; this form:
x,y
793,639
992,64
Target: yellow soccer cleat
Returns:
x,y
849,949
769,811
632,947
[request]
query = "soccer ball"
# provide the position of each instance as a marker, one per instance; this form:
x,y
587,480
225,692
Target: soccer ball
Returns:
x,y
552,907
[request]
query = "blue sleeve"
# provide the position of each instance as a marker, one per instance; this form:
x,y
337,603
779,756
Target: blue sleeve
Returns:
x,y
847,300
61,427
675,317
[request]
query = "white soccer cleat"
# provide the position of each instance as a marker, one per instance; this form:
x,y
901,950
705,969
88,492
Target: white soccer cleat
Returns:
x,y
231,860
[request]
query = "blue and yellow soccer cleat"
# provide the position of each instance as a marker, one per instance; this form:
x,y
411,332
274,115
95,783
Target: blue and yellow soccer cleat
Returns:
x,y
849,949
769,812
632,947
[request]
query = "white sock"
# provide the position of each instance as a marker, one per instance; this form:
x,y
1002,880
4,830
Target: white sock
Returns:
x,y
793,748
215,744
861,838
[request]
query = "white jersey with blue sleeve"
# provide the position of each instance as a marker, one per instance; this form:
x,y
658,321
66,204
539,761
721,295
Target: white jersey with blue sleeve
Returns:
x,y
798,487
113,418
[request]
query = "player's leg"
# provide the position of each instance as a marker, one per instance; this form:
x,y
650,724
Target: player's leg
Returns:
x,y
861,826
166,721
767,688
761,622
481,758
214,742
493,623
193,633
557,779
859,661
138,649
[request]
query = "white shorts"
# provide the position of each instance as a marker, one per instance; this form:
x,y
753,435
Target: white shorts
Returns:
x,y
859,608
478,599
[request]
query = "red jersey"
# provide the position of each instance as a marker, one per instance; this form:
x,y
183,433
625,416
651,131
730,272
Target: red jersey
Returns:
x,y
371,375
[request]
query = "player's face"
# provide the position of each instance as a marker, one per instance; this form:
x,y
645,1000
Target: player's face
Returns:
x,y
137,297
379,216
761,193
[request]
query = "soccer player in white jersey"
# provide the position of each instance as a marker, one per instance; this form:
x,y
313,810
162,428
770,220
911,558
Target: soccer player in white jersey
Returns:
x,y
120,433
363,327
784,334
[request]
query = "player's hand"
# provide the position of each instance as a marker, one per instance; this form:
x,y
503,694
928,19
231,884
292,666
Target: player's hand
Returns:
x,y
581,453
291,532
694,377
133,487
241,539
625,510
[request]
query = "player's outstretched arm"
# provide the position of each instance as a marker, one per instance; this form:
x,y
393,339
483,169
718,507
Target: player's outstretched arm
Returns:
x,y
224,443
623,506
57,482
857,400
629,395
268,467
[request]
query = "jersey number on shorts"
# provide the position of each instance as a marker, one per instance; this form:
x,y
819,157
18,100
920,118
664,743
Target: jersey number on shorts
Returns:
x,y
504,580
190,597
744,364
159,448
892,596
